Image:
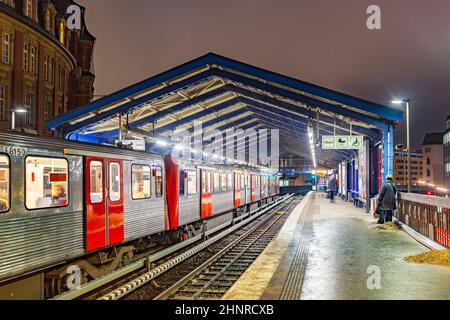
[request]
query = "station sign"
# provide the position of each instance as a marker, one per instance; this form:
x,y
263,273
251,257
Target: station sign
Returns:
x,y
343,142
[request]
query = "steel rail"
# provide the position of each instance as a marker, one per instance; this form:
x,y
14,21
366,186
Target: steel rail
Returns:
x,y
175,287
162,268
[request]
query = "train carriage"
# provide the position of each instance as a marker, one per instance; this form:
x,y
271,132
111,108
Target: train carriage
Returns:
x,y
97,207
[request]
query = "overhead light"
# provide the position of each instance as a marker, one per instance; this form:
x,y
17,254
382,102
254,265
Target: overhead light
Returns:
x,y
20,110
431,185
312,144
162,143
442,190
397,101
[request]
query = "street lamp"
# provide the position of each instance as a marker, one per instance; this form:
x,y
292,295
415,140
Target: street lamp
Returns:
x,y
406,102
13,115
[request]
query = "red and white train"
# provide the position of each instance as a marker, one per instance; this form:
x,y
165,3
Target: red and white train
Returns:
x,y
66,203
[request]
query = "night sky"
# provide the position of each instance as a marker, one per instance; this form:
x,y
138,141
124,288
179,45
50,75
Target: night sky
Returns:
x,y
325,42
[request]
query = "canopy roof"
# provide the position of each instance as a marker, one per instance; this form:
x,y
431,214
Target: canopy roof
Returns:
x,y
223,93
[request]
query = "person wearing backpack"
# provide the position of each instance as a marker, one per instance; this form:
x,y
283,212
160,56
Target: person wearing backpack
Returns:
x,y
387,199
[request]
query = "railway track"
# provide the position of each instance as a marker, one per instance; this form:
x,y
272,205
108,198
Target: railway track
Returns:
x,y
214,278
125,280
159,270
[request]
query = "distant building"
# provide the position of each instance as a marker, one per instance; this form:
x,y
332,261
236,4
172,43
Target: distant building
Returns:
x,y
447,154
433,157
45,68
401,167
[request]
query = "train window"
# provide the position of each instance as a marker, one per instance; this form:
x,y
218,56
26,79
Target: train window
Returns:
x,y
140,180
46,182
4,183
208,182
216,182
230,182
182,182
159,182
96,182
114,181
223,181
192,182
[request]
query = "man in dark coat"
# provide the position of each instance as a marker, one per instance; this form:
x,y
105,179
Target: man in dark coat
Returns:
x,y
387,200
332,187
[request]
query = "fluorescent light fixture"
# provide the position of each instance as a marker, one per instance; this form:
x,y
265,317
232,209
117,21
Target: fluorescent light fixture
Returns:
x,y
162,143
442,190
20,110
397,102
431,185
311,144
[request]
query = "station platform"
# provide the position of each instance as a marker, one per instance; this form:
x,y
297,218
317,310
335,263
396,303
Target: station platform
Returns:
x,y
333,251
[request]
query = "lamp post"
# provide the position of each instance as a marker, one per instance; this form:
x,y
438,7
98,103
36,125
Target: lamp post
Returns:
x,y
406,102
13,116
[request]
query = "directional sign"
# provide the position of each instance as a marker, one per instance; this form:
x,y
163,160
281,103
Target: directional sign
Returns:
x,y
342,142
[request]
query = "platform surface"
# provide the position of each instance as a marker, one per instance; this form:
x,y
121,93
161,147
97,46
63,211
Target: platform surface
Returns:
x,y
334,251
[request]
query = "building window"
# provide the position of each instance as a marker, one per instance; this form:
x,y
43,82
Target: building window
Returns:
x,y
141,182
28,105
6,48
29,8
48,25
428,173
2,102
46,182
26,49
62,32
428,161
33,60
48,109
51,74
62,78
4,183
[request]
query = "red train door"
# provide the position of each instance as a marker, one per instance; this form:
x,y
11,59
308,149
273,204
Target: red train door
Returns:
x,y
206,203
104,202
237,190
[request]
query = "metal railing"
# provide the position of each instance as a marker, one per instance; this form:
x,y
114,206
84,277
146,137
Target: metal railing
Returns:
x,y
430,216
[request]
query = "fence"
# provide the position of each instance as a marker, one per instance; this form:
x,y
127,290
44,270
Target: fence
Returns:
x,y
427,215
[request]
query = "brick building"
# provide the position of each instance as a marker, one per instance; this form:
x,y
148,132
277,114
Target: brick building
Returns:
x,y
45,68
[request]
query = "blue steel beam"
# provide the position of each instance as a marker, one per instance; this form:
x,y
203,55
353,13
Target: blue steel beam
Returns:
x,y
195,116
295,96
211,59
378,109
127,107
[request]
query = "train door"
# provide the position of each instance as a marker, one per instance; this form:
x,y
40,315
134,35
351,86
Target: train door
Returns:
x,y
237,190
104,202
248,192
206,198
270,187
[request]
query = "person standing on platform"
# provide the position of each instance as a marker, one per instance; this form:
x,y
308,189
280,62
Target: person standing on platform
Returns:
x,y
332,187
387,199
